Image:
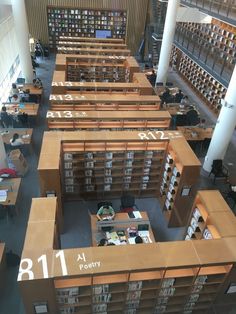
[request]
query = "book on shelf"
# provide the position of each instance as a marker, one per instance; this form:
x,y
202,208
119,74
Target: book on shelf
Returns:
x,y
68,165
108,164
89,188
167,292
88,180
143,186
168,282
148,153
69,188
129,163
148,163
130,155
107,179
109,155
134,295
190,231
145,179
68,156
69,173
88,173
73,291
194,297
99,289
146,171
128,171
194,223
160,309
197,288
126,186
163,300
69,181
88,155
126,179
107,172
207,234
89,164
201,279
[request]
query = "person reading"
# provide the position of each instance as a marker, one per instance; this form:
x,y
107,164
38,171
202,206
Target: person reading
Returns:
x,y
16,140
105,212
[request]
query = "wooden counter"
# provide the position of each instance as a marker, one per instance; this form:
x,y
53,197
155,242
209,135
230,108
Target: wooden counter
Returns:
x,y
25,134
92,40
33,90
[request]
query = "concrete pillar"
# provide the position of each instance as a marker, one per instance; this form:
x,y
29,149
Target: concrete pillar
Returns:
x,y
225,126
21,25
168,37
3,156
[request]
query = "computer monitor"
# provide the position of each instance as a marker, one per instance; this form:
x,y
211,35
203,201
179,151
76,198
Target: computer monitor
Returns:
x,y
20,81
103,33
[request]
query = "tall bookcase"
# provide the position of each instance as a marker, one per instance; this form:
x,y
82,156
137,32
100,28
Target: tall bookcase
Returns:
x,y
85,22
206,86
177,277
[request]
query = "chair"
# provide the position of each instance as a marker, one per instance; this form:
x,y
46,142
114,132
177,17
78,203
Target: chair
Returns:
x,y
219,170
127,203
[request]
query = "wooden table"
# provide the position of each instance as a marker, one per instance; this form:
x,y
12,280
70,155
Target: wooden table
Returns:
x,y
13,186
195,133
121,222
15,108
33,90
25,134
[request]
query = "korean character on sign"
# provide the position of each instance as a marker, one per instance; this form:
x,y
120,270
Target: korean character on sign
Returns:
x,y
81,257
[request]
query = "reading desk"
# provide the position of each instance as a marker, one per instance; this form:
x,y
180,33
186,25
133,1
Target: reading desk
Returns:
x,y
120,224
11,186
24,133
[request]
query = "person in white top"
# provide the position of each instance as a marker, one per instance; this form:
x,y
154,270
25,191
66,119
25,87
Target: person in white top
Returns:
x,y
16,140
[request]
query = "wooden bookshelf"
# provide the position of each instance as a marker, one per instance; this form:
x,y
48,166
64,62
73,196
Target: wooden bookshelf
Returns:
x,y
178,277
103,102
139,86
89,39
90,167
99,68
110,120
92,51
205,85
64,21
210,221
93,44
178,183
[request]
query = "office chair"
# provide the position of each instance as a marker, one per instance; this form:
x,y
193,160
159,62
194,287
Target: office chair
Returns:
x,y
219,170
127,203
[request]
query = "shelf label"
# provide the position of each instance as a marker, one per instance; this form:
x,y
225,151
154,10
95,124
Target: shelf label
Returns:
x,y
26,269
159,135
66,114
67,97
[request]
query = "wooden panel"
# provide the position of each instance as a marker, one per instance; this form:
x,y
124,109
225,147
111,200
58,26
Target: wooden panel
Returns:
x,y
38,26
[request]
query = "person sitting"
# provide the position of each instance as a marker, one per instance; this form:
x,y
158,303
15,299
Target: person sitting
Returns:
x,y
138,240
15,98
6,119
166,96
103,242
152,78
179,96
13,91
105,212
16,140
184,102
202,123
37,83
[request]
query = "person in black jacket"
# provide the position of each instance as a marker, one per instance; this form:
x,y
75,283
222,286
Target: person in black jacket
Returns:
x,y
6,119
179,96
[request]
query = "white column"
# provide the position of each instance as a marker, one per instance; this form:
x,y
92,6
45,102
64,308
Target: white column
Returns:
x,y
224,126
22,35
168,37
3,157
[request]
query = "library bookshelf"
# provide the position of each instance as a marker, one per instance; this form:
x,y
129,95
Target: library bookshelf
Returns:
x,y
82,165
92,51
84,22
103,102
177,277
203,83
109,120
139,85
99,68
